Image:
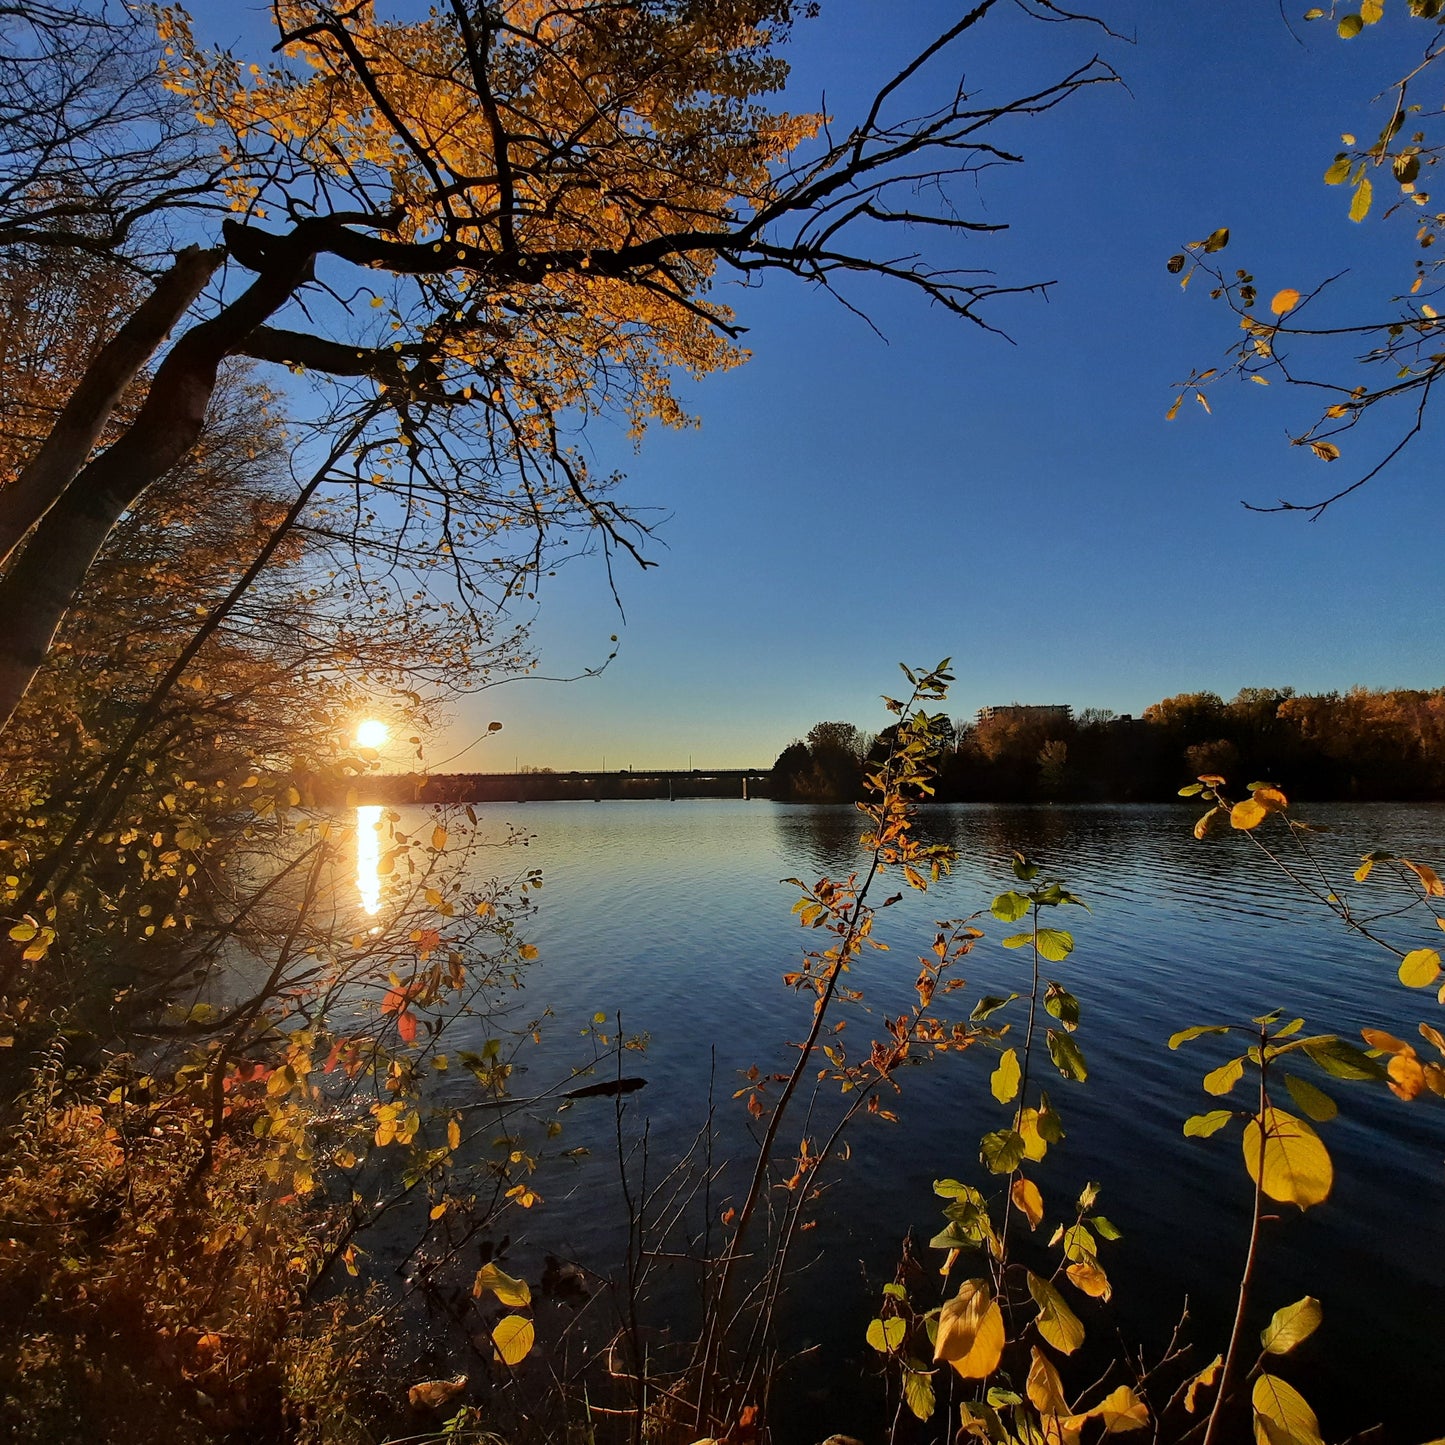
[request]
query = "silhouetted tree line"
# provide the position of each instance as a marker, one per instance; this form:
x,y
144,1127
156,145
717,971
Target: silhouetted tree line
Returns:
x,y
1362,745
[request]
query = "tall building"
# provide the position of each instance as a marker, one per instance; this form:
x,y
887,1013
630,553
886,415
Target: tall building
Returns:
x,y
1022,712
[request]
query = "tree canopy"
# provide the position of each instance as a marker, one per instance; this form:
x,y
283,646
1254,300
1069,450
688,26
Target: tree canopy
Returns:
x,y
487,226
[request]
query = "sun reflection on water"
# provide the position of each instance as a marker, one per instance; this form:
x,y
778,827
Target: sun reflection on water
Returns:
x,y
368,856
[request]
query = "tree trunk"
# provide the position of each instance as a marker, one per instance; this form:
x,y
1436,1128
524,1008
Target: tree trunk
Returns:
x,y
37,590
64,452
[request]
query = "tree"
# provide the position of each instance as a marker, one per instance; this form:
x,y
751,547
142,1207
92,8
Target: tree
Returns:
x,y
537,201
1382,365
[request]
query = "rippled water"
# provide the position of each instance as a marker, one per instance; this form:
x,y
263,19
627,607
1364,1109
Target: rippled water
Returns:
x,y
672,915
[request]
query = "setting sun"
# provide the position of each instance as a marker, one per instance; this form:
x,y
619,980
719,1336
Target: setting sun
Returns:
x,y
371,733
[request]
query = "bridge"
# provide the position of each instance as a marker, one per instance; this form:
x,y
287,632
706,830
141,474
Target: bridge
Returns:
x,y
620,783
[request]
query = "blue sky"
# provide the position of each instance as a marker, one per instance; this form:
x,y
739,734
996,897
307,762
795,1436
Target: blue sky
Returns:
x,y
1025,508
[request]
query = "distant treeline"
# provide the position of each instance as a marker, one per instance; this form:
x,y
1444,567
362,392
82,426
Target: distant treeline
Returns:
x,y
1360,745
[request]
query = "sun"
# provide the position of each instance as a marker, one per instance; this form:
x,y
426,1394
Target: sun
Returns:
x,y
371,733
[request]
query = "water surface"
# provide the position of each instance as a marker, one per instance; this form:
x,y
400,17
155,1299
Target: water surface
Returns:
x,y
672,915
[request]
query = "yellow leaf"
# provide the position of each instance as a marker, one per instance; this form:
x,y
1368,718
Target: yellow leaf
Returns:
x,y
1025,1194
1221,1080
1325,451
454,1134
1206,824
1248,814
970,1331
439,837
1045,1388
1202,1381
886,1335
1121,1410
512,1292
1407,1077
1281,1414
1297,1168
1291,1325
1035,1145
513,1337
1434,888
1420,968
1360,202
1058,1324
1271,798
527,952
1087,1276
1285,300
1379,1039
1005,1079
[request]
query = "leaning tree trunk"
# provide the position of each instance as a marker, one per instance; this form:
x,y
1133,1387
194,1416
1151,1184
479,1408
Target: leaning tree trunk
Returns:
x,y
40,585
43,480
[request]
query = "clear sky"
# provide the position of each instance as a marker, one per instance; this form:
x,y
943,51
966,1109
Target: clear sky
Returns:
x,y
1025,508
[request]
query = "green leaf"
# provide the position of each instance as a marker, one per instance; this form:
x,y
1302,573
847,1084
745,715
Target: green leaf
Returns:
x,y
1291,1325
1058,1324
1009,907
1341,1059
1312,1101
918,1392
1002,1150
1024,870
1217,240
1190,789
1349,26
1017,940
886,1335
1201,1126
1281,1414
894,1290
1054,944
990,1003
1066,1056
1005,1079
1225,1077
1195,1031
1420,968
1104,1229
1063,1006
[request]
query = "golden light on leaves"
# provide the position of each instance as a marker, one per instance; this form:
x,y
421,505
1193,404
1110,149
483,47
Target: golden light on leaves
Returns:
x,y
971,1331
1026,1196
513,1337
1058,1324
1297,1167
1282,1416
372,733
1292,1325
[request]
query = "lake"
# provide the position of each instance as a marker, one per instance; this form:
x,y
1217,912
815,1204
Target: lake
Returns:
x,y
672,915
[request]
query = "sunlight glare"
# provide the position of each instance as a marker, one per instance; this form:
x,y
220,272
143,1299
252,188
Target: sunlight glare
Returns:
x,y
368,856
371,733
